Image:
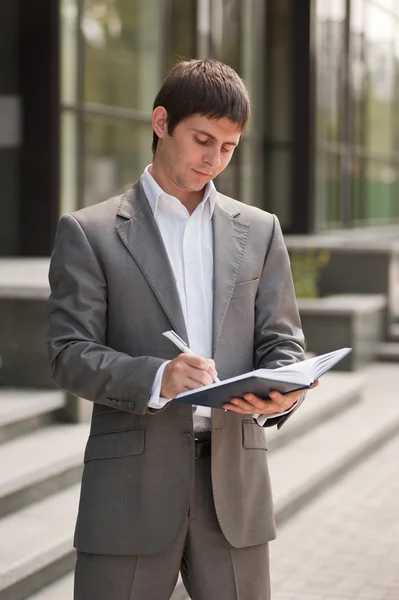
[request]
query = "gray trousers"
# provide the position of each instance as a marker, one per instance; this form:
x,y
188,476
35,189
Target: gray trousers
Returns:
x,y
210,567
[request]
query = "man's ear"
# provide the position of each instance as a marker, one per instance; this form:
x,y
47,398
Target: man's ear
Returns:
x,y
160,121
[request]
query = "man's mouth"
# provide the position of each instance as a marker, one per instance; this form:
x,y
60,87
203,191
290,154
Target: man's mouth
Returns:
x,y
202,174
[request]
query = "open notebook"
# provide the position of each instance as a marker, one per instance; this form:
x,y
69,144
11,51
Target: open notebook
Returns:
x,y
297,376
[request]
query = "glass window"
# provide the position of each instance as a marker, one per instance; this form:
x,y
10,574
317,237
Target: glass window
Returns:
x,y
327,189
329,63
252,61
69,28
69,162
379,183
379,36
226,36
182,28
123,52
116,153
330,28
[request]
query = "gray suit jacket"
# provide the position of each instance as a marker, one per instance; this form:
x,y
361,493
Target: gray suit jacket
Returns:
x,y
112,296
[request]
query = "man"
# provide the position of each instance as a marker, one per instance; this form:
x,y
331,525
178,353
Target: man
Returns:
x,y
167,488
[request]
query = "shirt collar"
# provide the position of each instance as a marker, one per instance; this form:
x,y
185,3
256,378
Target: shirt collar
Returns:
x,y
153,191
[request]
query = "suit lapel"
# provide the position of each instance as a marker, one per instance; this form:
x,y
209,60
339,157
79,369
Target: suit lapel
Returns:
x,y
141,236
229,240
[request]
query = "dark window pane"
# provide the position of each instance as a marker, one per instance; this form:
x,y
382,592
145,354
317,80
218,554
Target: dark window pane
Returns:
x,y
183,29
327,192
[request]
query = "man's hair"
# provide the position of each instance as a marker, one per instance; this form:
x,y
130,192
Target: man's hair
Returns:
x,y
206,87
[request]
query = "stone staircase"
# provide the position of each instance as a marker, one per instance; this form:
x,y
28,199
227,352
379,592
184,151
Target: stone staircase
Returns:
x,y
341,423
40,470
388,351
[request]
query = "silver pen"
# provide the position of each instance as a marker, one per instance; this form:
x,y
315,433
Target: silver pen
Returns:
x,y
181,344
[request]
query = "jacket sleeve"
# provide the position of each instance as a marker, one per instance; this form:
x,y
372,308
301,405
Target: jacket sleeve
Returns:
x,y
278,336
80,361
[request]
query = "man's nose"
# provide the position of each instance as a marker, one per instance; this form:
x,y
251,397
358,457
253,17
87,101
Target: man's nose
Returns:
x,y
214,158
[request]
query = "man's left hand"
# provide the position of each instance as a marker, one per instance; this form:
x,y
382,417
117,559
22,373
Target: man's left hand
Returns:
x,y
251,404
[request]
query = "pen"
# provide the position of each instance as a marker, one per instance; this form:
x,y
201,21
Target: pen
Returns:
x,y
181,344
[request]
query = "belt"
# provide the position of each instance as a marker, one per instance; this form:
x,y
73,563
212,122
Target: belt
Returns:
x,y
203,444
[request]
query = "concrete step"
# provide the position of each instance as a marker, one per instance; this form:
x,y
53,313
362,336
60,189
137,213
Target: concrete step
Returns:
x,y
60,590
337,392
393,333
344,433
307,466
22,411
39,464
388,352
36,545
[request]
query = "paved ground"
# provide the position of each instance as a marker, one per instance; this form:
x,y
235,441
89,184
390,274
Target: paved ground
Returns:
x,y
345,545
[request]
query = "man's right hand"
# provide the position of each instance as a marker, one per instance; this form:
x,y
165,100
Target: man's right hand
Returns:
x,y
187,372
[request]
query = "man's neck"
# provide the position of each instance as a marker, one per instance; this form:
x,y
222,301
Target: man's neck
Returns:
x,y
190,200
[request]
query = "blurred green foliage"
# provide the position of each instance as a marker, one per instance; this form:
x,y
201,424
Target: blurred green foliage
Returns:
x,y
306,267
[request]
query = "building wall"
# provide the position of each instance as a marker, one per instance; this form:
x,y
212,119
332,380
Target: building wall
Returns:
x,y
322,148
9,127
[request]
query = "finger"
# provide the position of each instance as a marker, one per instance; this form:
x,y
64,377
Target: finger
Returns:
x,y
244,406
197,378
237,409
267,407
203,364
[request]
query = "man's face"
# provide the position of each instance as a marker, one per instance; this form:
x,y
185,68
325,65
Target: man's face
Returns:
x,y
197,151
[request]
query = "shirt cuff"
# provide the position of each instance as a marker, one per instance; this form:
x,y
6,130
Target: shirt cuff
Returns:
x,y
156,400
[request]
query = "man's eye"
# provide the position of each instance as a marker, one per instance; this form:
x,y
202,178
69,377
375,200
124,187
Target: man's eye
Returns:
x,y
202,142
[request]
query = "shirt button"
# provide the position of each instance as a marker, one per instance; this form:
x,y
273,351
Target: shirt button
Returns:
x,y
188,438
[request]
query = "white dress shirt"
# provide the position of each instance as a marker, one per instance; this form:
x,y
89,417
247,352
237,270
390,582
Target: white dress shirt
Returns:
x,y
188,241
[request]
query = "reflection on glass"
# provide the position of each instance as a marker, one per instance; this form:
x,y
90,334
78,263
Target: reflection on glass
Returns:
x,y
252,68
182,29
68,162
116,153
226,32
327,189
69,14
380,78
329,58
373,107
379,185
123,52
330,27
280,186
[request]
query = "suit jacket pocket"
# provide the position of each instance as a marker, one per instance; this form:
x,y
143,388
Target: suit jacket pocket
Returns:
x,y
247,288
115,445
253,436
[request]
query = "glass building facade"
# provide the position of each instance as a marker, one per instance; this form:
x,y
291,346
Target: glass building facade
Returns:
x,y
357,113
78,79
114,56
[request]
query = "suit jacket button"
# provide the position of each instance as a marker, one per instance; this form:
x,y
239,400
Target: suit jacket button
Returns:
x,y
188,438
